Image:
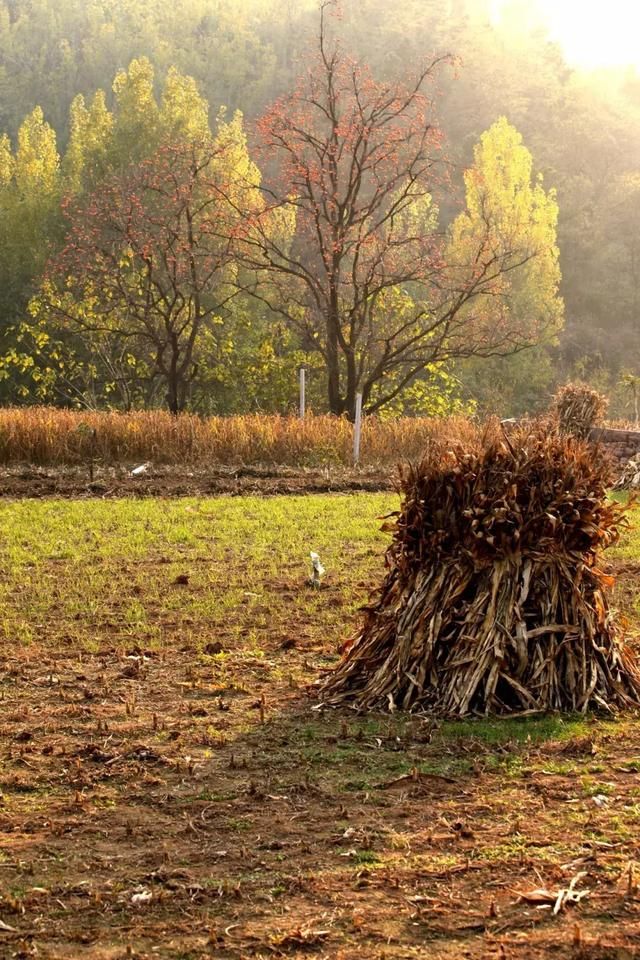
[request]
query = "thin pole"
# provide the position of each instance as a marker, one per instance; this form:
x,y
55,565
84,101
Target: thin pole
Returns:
x,y
302,391
357,428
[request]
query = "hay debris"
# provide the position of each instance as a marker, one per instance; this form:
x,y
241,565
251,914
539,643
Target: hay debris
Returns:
x,y
629,478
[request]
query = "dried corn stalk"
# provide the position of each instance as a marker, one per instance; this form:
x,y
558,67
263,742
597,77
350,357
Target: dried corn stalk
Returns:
x,y
578,408
493,601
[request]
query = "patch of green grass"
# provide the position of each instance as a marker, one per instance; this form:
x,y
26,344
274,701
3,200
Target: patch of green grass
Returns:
x,y
509,764
593,788
447,766
622,828
239,824
513,847
629,546
94,572
518,847
495,730
561,768
366,857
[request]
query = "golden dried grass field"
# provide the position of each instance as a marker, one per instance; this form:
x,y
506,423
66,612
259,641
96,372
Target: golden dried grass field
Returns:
x,y
168,790
48,436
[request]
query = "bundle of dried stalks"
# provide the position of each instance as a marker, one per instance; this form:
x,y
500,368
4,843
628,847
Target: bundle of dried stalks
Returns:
x,y
578,409
493,601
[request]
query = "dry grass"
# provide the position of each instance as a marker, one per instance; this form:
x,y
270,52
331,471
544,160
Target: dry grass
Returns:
x,y
621,425
44,435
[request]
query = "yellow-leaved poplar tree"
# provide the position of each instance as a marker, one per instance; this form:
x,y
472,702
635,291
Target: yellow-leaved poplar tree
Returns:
x,y
508,208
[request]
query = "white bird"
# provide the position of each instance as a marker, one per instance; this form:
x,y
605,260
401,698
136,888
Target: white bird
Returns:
x,y
138,471
317,570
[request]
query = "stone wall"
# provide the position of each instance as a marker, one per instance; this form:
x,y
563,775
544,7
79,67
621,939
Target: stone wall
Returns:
x,y
622,444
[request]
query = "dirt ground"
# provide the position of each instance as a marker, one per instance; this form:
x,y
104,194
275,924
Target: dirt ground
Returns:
x,y
27,480
148,811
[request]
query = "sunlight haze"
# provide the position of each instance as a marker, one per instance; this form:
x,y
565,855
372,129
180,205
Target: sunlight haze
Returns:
x,y
591,34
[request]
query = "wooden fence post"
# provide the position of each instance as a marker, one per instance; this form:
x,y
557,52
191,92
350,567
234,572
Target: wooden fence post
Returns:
x,y
357,429
303,385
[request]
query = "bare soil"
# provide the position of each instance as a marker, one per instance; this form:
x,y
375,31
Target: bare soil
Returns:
x,y
28,480
148,812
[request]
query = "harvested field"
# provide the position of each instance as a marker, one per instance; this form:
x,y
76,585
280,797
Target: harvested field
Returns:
x,y
26,480
168,790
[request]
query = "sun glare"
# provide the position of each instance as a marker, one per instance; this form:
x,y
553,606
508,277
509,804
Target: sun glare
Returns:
x,y
591,33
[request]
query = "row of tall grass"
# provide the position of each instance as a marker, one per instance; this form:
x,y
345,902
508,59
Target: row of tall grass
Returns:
x,y
48,436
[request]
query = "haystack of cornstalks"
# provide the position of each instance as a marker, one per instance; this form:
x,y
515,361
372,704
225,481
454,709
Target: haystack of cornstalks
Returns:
x,y
578,408
493,601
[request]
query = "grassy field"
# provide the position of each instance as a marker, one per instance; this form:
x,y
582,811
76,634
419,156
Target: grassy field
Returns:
x,y
168,791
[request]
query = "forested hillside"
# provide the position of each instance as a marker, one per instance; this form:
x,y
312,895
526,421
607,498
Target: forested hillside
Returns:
x,y
94,98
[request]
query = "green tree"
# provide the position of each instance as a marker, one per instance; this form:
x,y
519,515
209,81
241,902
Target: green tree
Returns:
x,y
90,147
184,112
136,130
508,207
29,215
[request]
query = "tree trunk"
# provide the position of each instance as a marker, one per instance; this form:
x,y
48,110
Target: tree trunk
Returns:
x,y
336,402
352,385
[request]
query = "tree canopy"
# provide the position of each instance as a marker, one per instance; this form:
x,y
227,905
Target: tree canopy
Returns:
x,y
89,90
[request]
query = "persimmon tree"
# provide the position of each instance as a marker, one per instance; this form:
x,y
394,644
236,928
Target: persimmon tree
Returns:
x,y
147,266
364,273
